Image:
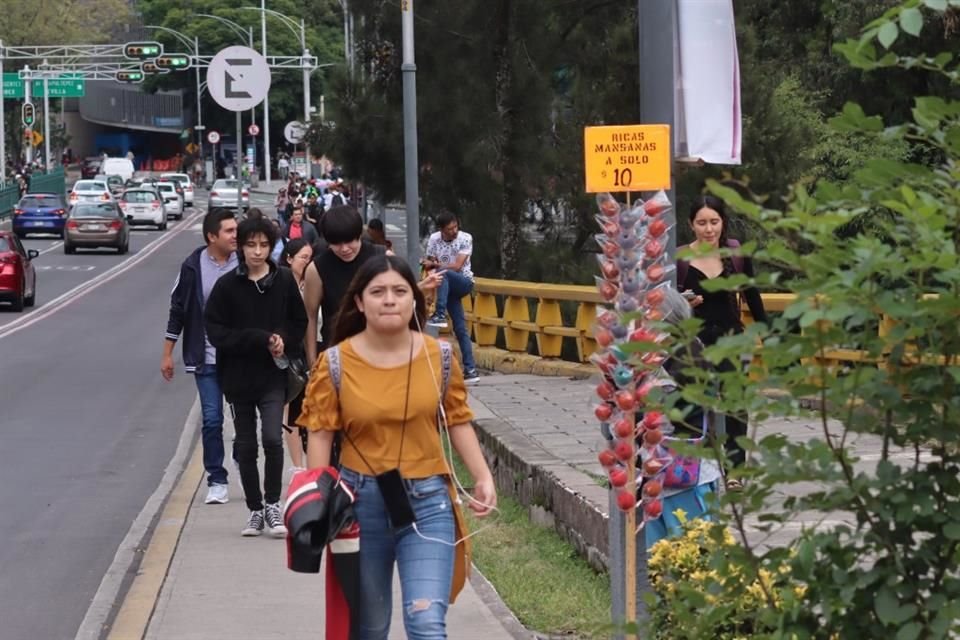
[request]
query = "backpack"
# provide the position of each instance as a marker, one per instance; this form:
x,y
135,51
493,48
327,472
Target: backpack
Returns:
x,y
446,366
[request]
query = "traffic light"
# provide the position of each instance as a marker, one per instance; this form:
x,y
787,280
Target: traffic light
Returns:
x,y
142,50
129,76
151,67
28,115
175,61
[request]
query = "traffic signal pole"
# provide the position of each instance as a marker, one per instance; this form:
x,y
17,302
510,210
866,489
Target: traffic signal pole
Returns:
x,y
26,100
46,124
3,129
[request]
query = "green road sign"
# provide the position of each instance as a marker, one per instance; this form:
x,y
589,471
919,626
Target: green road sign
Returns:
x,y
66,86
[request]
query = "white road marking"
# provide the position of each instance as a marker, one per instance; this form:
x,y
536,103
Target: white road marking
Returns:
x,y
393,228
65,267
55,245
64,300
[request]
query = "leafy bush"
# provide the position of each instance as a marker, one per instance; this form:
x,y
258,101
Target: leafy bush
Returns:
x,y
882,560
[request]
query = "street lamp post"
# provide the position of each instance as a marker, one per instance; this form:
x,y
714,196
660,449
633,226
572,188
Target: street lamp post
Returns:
x,y
410,161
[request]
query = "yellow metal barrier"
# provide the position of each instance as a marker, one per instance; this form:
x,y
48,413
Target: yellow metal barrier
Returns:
x,y
485,319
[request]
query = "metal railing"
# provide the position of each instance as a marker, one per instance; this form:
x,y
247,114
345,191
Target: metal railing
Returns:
x,y
126,106
52,182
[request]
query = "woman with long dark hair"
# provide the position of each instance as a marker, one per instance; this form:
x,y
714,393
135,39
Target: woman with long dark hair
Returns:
x,y
296,256
383,385
719,310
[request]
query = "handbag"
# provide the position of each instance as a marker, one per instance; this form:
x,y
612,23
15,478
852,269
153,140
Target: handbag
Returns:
x,y
297,374
683,471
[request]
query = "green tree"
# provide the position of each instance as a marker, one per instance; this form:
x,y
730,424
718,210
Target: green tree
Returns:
x,y
882,563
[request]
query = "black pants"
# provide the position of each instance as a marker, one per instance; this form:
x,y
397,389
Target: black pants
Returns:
x,y
246,448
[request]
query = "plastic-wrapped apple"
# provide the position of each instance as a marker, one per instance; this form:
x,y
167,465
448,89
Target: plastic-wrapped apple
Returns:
x,y
652,488
643,335
609,270
654,297
619,331
630,283
627,304
608,290
653,315
657,228
627,239
606,390
626,501
609,207
603,412
653,249
643,391
610,229
611,249
653,208
652,419
626,260
653,359
651,467
623,450
625,400
629,217
652,437
604,337
653,509
607,319
607,458
618,477
623,428
655,273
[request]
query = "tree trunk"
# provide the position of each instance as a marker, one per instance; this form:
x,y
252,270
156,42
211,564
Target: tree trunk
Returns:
x,y
511,200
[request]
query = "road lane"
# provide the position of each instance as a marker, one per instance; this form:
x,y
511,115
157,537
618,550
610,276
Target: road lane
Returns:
x,y
89,427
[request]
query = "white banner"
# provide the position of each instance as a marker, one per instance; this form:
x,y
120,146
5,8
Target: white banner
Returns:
x,y
708,118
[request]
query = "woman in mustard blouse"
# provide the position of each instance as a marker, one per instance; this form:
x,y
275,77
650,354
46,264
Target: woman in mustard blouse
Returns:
x,y
390,390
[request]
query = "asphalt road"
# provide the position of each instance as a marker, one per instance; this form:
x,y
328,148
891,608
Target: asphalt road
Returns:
x,y
88,424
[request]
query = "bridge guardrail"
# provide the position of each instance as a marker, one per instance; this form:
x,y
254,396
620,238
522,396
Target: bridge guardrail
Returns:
x,y
53,182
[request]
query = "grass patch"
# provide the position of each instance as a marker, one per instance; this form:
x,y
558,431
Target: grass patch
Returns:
x,y
540,577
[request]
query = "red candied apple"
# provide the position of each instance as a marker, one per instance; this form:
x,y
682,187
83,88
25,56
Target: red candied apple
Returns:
x,y
626,501
653,249
605,390
655,298
607,458
652,488
609,270
643,335
652,437
655,272
652,419
603,412
657,228
604,337
623,450
610,249
618,477
652,467
652,208
653,509
626,401
610,207
623,428
608,290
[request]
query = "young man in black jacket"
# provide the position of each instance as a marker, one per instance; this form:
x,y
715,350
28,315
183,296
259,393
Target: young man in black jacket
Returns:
x,y
255,319
198,273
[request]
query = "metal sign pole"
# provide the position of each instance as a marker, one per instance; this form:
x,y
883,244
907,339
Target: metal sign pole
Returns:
x,y
411,164
26,100
236,165
266,101
46,124
3,128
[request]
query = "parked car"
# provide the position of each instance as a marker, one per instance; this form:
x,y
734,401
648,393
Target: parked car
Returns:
x,y
90,167
18,279
115,184
89,191
172,199
122,167
91,225
223,194
144,206
39,213
185,183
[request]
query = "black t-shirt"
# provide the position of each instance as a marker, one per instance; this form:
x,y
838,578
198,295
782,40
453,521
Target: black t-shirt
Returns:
x,y
336,276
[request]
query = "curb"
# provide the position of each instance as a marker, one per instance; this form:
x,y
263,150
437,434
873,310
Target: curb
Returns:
x,y
502,361
555,493
489,596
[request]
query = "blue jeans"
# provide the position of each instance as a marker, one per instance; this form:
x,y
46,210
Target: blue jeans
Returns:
x,y
450,295
211,406
425,566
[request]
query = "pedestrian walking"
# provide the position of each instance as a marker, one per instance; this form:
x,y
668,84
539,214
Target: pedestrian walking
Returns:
x,y
191,292
296,257
377,234
313,210
300,227
283,166
255,318
280,202
449,250
381,386
719,310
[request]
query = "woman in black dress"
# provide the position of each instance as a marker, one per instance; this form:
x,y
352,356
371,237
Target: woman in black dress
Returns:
x,y
719,310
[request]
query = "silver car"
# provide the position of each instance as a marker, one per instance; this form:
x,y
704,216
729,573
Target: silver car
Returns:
x,y
89,191
144,206
223,194
171,199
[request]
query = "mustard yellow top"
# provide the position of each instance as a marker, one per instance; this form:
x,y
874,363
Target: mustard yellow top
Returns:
x,y
370,409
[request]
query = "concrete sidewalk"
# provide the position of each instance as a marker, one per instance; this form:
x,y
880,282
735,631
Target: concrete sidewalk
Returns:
x,y
220,585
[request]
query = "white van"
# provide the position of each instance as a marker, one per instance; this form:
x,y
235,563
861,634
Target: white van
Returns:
x,y
122,167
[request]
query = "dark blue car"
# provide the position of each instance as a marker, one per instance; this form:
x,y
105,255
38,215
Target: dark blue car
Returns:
x,y
39,213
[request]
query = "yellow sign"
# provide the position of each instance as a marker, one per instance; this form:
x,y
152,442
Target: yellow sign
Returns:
x,y
37,138
192,148
627,157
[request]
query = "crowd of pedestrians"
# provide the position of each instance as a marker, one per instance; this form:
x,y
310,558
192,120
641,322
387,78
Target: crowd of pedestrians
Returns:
x,y
267,297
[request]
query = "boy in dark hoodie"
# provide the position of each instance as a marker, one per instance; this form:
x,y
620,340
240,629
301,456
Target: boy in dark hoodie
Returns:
x,y
255,318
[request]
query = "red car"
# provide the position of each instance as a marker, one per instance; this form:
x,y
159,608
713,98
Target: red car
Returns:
x,y
18,280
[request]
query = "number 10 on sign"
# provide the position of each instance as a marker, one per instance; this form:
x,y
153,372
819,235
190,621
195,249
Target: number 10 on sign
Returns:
x,y
627,158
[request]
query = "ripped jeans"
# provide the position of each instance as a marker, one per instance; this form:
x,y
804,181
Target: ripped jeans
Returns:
x,y
426,567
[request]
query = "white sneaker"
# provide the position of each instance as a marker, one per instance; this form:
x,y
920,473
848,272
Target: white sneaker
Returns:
x,y
254,525
217,494
273,514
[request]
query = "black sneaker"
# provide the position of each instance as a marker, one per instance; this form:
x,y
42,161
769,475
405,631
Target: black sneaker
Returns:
x,y
274,517
437,320
254,524
471,377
